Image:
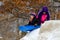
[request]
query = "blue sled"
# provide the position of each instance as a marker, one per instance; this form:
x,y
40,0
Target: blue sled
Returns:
x,y
26,28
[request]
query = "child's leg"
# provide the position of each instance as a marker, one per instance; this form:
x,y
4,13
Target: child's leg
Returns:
x,y
26,28
22,28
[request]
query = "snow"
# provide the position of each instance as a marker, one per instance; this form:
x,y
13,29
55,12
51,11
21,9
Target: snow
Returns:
x,y
32,35
50,30
1,3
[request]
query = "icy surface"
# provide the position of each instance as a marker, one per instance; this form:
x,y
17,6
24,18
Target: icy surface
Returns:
x,y
32,35
50,30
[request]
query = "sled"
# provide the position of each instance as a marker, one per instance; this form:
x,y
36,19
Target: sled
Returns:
x,y
27,28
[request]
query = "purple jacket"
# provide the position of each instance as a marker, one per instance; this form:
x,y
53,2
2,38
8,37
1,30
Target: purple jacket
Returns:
x,y
44,9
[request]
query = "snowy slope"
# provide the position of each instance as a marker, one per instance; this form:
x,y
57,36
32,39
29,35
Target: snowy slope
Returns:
x,y
50,30
32,35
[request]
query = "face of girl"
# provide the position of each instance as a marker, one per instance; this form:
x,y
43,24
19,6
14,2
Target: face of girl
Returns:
x,y
44,12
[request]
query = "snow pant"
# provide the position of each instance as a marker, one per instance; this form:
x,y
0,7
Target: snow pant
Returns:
x,y
26,28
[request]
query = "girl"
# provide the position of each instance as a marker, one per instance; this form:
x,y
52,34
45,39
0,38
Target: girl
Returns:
x,y
43,15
